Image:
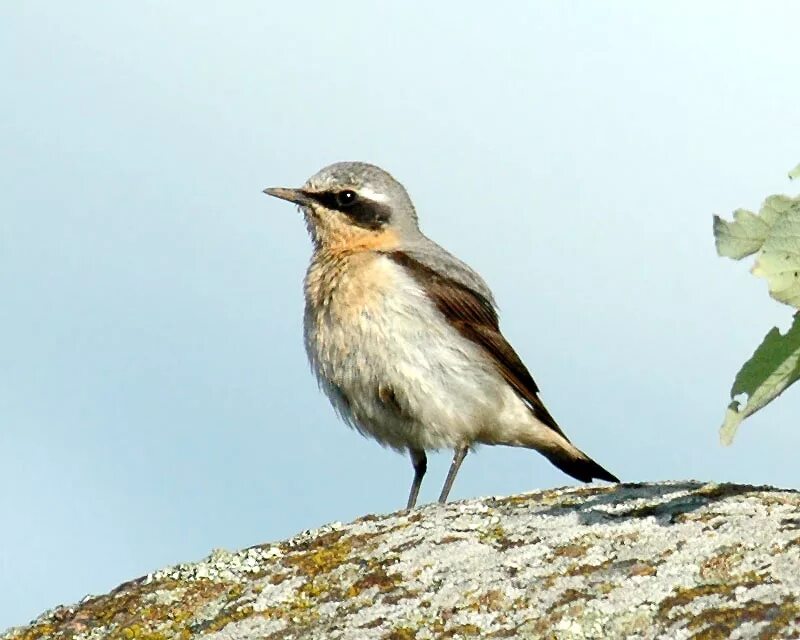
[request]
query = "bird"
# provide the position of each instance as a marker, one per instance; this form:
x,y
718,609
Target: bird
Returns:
x,y
404,337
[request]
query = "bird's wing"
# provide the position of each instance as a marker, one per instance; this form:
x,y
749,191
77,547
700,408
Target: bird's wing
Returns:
x,y
473,315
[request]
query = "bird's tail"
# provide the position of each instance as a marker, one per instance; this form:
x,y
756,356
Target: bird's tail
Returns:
x,y
564,455
577,464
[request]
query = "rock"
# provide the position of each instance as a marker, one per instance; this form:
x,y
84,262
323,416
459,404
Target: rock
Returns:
x,y
668,560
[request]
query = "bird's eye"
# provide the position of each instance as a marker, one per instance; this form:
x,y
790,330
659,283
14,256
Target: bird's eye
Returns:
x,y
346,198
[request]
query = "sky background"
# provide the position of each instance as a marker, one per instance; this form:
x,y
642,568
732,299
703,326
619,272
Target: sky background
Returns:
x,y
155,400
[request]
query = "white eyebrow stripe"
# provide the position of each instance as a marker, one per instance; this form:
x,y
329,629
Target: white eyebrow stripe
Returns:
x,y
375,196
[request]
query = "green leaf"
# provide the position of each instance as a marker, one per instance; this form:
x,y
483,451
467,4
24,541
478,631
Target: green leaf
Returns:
x,y
774,234
778,262
742,237
748,231
773,367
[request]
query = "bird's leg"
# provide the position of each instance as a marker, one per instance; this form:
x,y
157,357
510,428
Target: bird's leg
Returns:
x,y
458,457
420,462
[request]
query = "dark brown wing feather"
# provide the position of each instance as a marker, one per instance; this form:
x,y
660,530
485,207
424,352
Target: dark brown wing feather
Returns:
x,y
474,317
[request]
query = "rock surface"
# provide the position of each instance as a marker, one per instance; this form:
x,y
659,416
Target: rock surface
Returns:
x,y
667,560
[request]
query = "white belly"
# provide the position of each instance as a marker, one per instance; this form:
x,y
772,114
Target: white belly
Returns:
x,y
395,369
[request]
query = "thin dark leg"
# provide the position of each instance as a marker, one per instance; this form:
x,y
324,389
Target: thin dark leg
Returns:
x,y
458,458
420,462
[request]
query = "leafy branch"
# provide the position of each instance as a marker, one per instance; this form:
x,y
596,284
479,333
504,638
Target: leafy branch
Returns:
x,y
774,236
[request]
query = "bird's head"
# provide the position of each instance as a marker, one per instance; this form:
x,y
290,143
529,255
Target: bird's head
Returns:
x,y
353,205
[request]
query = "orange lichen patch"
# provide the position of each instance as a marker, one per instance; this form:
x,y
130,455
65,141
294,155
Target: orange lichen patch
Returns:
x,y
139,610
377,577
571,596
571,551
492,535
720,567
370,517
37,631
587,569
321,541
401,633
685,596
795,542
227,615
642,569
462,631
320,559
277,578
492,601
721,622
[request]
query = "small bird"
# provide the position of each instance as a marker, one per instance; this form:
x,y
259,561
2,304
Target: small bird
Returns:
x,y
404,338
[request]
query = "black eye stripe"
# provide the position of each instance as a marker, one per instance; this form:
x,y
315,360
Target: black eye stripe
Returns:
x,y
361,211
328,199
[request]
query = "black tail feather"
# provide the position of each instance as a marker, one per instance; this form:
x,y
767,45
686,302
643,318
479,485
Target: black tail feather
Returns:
x,y
581,468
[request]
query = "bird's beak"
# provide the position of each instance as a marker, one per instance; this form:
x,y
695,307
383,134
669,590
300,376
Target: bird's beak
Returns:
x,y
292,195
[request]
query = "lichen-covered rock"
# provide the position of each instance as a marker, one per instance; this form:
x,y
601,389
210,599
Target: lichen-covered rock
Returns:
x,y
667,560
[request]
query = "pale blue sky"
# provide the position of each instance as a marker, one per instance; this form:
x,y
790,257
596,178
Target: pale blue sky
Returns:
x,y
154,394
